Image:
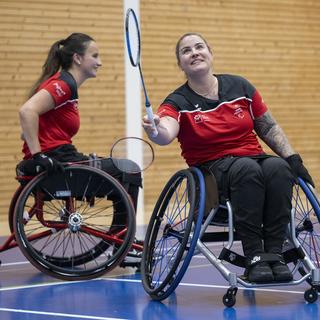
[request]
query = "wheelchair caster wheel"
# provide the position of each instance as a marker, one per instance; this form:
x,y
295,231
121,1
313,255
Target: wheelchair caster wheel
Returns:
x,y
311,295
229,299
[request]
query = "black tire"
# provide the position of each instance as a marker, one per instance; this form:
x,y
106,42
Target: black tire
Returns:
x,y
12,206
229,300
66,226
311,295
172,233
306,206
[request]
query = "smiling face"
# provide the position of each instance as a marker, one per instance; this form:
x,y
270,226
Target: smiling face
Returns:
x,y
194,55
90,61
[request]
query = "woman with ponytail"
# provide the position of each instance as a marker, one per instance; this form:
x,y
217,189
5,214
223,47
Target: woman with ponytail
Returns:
x,y
50,119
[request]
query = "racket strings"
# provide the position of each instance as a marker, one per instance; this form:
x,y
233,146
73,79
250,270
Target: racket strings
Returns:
x,y
133,37
132,155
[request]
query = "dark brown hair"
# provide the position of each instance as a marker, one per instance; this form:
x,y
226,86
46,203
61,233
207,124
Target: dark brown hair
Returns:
x,y
60,56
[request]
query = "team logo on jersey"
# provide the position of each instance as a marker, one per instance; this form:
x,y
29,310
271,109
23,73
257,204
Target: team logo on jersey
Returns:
x,y
238,112
199,118
58,89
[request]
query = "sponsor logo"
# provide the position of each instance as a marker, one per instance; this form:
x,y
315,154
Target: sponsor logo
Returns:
x,y
58,89
199,118
255,259
232,257
238,112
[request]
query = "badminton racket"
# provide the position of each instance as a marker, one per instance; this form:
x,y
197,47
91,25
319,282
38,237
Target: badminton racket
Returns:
x,y
133,40
132,154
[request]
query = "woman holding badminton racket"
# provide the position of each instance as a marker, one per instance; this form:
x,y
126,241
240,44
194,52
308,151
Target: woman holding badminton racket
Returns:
x,y
214,117
50,119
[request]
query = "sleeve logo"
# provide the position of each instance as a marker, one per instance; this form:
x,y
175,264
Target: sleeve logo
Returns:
x,y
58,89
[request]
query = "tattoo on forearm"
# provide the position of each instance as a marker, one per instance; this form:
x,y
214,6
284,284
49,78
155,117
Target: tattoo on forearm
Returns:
x,y
264,124
272,134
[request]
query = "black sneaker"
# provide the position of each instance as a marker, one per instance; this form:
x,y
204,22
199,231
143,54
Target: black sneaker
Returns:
x,y
281,271
260,273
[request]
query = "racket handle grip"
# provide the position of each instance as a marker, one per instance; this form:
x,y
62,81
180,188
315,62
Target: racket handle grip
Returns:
x,y
151,118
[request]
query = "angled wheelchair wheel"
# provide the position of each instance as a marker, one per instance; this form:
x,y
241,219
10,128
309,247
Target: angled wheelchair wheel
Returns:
x,y
74,225
172,233
12,206
306,206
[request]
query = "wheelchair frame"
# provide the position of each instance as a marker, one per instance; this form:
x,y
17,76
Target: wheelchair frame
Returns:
x,y
74,225
170,243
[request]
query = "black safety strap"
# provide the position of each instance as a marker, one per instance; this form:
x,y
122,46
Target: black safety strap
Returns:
x,y
233,258
264,257
293,255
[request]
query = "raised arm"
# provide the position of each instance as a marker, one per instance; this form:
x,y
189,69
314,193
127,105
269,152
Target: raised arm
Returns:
x,y
168,129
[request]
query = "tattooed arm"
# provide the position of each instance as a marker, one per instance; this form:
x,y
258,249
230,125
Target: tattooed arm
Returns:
x,y
271,133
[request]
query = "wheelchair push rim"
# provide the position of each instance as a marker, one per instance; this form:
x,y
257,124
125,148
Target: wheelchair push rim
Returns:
x,y
172,233
306,208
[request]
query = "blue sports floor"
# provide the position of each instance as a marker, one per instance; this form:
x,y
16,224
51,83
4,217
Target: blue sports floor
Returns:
x,y
26,293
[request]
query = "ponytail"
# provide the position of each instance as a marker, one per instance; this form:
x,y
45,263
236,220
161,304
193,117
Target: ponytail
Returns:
x,y
50,67
60,56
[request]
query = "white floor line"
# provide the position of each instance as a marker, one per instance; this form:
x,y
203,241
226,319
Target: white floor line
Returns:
x,y
139,281
46,284
213,286
55,314
240,288
14,263
200,266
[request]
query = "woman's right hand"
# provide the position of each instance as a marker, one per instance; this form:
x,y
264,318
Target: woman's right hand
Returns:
x,y
168,129
44,163
147,124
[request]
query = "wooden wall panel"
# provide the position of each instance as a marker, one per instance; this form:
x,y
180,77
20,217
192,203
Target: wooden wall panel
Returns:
x,y
274,44
27,30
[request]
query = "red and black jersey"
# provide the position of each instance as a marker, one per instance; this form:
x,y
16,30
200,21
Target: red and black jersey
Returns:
x,y
212,129
59,125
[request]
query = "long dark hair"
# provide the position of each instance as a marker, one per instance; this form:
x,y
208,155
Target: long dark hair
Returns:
x,y
60,56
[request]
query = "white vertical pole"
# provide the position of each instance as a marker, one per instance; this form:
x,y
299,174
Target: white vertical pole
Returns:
x,y
133,103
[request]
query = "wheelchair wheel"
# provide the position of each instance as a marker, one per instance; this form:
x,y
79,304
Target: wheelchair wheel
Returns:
x,y
74,225
172,233
12,206
306,206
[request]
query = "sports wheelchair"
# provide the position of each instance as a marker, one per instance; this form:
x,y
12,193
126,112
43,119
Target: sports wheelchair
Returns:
x,y
180,226
73,225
